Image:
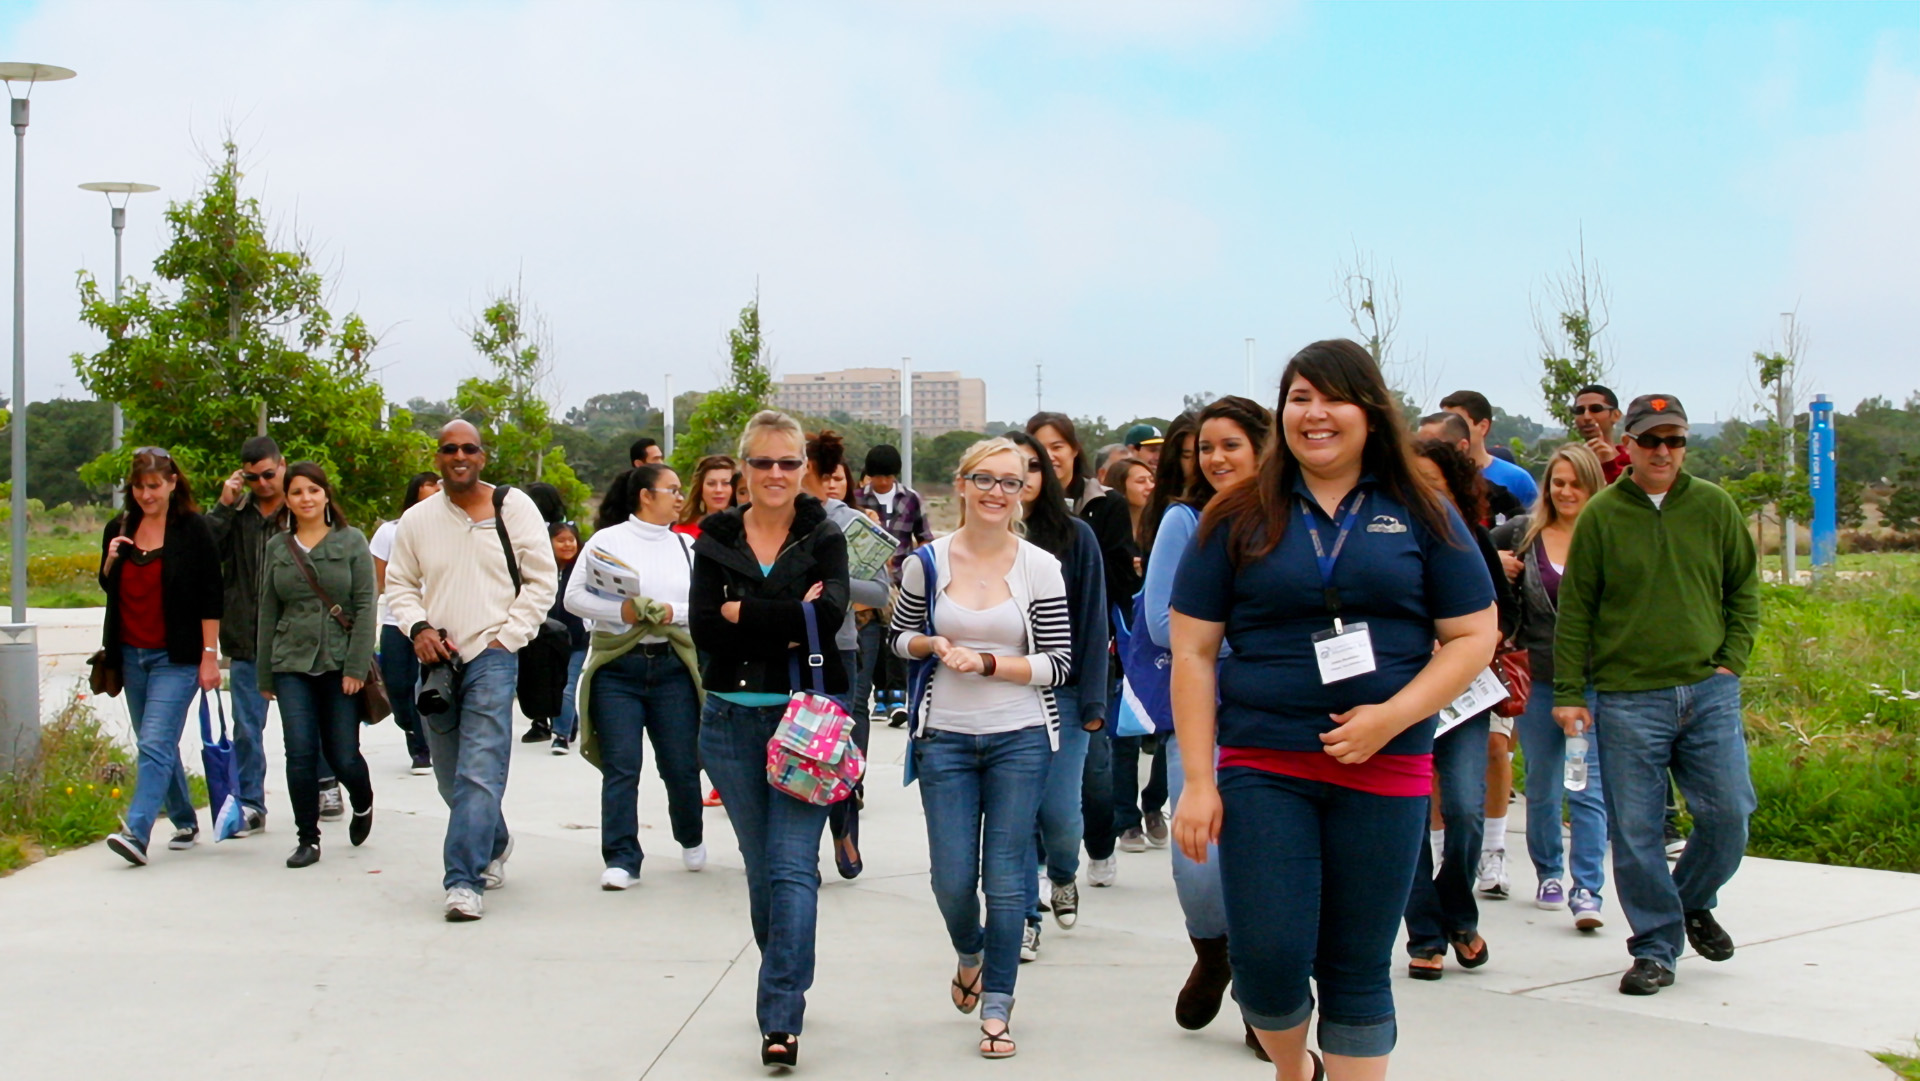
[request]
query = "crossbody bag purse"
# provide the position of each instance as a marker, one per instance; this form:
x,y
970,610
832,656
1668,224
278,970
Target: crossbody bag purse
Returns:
x,y
374,704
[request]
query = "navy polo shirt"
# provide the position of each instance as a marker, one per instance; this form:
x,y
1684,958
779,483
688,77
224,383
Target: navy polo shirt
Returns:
x,y
1394,575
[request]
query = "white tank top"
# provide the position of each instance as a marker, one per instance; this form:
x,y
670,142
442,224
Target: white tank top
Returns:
x,y
972,704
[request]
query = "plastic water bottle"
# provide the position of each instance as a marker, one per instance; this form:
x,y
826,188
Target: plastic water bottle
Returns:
x,y
1576,774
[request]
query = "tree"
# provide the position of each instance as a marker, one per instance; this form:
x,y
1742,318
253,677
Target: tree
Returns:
x,y
1194,403
1901,512
63,435
715,424
1371,299
515,422
936,459
1571,354
242,343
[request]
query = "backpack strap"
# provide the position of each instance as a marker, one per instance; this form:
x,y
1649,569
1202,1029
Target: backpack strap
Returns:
x,y
500,526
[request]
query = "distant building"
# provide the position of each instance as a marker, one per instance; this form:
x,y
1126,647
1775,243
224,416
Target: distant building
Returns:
x,y
942,401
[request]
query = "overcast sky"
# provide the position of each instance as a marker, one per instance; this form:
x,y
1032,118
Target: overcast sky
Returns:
x,y
1124,192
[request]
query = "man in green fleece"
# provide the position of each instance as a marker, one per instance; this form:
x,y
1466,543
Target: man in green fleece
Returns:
x,y
1658,609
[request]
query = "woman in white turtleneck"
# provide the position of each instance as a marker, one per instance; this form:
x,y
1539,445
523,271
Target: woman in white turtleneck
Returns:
x,y
641,672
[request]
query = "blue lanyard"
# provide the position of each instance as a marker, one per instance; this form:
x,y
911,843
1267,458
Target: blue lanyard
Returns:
x,y
1327,559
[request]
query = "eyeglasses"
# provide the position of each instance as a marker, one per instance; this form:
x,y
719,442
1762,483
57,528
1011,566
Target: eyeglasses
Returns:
x,y
1592,407
154,452
1649,441
468,449
986,481
267,474
677,493
784,465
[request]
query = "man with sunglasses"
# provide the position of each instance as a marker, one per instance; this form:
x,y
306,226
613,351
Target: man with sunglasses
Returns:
x,y
251,511
1596,409
1658,608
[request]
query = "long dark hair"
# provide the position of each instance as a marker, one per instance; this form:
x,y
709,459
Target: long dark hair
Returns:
x,y
1252,418
158,461
1049,523
414,484
1464,484
314,472
1169,479
1255,515
617,504
1063,424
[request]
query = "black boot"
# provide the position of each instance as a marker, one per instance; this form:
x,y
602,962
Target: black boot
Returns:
x,y
1199,1001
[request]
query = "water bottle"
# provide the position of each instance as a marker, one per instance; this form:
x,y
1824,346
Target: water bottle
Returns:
x,y
1576,774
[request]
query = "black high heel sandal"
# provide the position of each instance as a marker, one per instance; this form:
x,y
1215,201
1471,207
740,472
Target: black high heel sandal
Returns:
x,y
1461,944
1428,972
789,1053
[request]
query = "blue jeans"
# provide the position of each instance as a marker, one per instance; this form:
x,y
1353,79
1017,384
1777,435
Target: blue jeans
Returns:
x,y
1096,792
1058,831
158,694
1544,746
869,656
1129,801
1196,884
322,728
568,723
982,795
779,839
472,744
638,696
1314,877
1440,906
401,671
1698,730
249,725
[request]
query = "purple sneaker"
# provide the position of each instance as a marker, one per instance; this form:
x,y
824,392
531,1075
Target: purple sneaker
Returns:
x,y
1550,896
1586,911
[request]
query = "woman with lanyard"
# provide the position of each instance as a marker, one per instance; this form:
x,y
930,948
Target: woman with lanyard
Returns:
x,y
1533,549
638,682
766,575
994,613
1228,437
314,645
399,668
1337,571
1081,700
161,574
1441,908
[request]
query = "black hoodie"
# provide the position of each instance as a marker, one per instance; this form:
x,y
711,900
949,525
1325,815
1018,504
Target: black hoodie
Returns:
x,y
753,655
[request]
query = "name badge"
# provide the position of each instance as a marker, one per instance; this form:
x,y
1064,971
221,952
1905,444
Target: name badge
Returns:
x,y
1344,653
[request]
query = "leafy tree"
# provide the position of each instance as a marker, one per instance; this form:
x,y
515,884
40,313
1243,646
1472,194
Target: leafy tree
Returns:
x,y
1850,504
62,436
241,343
515,422
1571,355
935,459
626,411
1901,512
715,424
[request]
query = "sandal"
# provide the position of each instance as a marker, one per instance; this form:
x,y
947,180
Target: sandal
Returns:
x,y
1461,945
969,992
991,1043
788,1053
1417,970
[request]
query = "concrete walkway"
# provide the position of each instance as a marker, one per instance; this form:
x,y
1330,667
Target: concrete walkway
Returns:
x,y
220,961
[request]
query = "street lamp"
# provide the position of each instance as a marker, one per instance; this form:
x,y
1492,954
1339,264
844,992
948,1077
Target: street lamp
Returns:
x,y
125,190
19,650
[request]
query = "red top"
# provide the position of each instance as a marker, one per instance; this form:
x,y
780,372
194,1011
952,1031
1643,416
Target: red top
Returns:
x,y
691,529
143,623
1614,466
1381,775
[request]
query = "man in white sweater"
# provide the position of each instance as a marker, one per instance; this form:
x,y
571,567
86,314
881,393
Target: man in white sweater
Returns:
x,y
450,587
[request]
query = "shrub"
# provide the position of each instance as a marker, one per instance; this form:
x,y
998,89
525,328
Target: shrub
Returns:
x,y
72,795
1843,804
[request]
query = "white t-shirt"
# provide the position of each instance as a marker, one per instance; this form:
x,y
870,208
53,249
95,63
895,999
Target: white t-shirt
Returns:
x,y
888,498
381,548
971,703
1658,498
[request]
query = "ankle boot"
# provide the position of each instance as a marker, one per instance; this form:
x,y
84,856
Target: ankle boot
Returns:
x,y
1199,1000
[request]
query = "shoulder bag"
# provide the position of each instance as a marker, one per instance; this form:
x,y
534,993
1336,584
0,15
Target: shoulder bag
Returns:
x,y
103,676
542,681
374,705
812,755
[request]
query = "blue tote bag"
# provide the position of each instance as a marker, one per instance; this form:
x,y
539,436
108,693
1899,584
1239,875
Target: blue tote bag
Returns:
x,y
1146,692
223,772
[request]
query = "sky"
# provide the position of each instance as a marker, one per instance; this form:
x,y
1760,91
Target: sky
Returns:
x,y
1120,193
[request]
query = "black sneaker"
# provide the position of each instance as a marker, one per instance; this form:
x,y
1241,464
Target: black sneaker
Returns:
x,y
1707,937
305,855
360,827
897,718
128,849
183,838
538,732
252,822
1646,977
422,765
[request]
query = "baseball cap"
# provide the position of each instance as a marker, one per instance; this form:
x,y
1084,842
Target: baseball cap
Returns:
x,y
1653,410
1141,435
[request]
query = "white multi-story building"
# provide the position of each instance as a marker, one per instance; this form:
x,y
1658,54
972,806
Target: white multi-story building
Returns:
x,y
942,401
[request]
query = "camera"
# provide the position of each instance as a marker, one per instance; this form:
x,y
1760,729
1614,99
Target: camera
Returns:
x,y
440,686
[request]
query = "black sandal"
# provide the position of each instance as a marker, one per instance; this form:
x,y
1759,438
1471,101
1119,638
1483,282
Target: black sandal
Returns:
x,y
1460,946
969,993
789,1053
990,1041
1428,972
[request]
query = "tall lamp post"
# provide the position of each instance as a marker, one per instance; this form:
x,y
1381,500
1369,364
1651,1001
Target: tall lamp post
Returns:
x,y
19,650
125,190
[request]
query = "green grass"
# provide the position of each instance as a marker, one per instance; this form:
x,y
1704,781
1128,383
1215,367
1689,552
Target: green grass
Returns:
x,y
1905,1067
62,562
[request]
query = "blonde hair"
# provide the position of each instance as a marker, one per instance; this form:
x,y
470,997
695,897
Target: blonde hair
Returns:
x,y
1586,473
771,422
969,461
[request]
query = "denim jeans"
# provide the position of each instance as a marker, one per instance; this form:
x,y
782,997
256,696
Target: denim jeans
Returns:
x,y
1128,800
401,671
636,697
1057,832
779,839
1196,884
158,694
1544,746
249,727
1096,792
1440,906
844,816
1698,730
472,745
568,723
321,725
1314,877
867,661
982,795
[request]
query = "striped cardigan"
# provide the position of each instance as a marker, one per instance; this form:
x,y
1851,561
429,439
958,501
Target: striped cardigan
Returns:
x,y
1039,590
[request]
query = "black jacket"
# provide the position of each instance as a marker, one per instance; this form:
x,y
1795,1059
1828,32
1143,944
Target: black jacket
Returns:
x,y
189,586
752,655
240,534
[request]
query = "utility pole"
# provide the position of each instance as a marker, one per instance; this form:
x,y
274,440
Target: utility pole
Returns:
x,y
667,415
906,420
1036,386
1250,386
1783,414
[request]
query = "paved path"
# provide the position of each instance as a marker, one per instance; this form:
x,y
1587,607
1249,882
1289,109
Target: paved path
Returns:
x,y
220,961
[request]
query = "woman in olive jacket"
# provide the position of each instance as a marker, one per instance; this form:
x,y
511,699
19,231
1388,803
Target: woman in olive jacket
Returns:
x,y
314,656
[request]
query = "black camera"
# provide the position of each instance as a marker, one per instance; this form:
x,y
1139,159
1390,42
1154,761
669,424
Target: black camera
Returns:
x,y
440,686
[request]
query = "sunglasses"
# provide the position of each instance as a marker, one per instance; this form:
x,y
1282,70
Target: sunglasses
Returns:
x,y
986,481
265,474
154,452
1649,441
468,449
784,465
1593,407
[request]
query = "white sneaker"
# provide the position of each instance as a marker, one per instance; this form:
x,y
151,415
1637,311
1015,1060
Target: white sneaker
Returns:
x,y
695,858
495,876
333,806
1102,872
463,905
1493,875
1030,943
616,878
